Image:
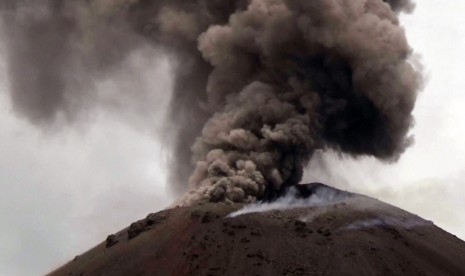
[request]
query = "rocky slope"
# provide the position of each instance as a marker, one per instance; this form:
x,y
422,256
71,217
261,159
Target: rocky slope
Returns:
x,y
328,233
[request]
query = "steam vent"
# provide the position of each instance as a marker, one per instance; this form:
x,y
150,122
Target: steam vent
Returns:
x,y
312,230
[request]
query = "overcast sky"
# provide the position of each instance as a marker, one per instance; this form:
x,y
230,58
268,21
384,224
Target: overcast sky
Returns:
x,y
63,191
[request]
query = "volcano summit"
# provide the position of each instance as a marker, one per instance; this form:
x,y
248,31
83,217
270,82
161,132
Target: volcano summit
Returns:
x,y
322,231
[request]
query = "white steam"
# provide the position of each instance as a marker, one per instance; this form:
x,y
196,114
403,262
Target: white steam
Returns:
x,y
386,221
321,197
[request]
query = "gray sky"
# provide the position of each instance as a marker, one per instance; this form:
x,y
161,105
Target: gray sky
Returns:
x,y
63,191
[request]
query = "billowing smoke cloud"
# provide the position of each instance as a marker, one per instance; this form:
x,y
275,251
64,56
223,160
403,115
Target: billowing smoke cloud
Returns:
x,y
259,85
295,76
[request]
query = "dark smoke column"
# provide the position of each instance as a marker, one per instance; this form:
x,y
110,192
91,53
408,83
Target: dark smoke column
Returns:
x,y
259,85
292,76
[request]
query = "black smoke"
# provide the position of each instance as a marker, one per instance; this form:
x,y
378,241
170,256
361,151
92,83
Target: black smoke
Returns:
x,y
259,85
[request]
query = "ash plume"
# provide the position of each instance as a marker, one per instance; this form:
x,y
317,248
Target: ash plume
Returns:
x,y
259,85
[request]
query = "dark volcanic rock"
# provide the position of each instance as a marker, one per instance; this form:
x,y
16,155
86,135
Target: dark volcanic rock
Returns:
x,y
144,225
111,240
354,236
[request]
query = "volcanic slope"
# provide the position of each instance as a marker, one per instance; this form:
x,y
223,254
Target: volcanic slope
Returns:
x,y
328,233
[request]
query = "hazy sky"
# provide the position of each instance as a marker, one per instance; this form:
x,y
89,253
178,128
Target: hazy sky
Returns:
x,y
63,191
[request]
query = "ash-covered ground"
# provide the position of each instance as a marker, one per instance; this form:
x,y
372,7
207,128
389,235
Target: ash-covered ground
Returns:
x,y
321,231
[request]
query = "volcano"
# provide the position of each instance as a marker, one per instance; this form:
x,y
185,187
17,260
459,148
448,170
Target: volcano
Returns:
x,y
311,230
